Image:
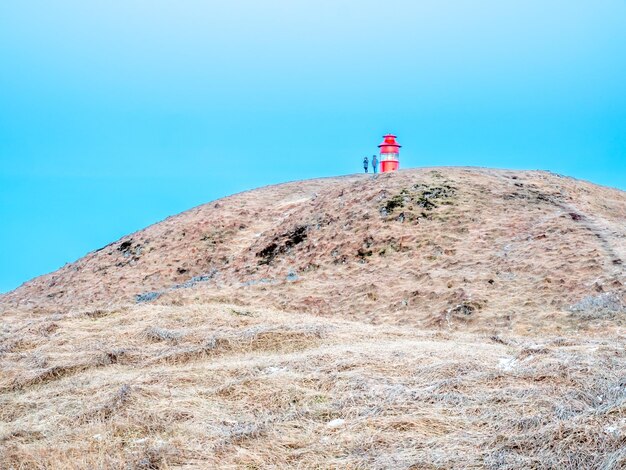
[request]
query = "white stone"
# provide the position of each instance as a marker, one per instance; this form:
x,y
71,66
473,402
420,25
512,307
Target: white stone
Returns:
x,y
336,423
507,363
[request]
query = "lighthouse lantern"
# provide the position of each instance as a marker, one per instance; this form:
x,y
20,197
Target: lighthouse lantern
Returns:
x,y
389,154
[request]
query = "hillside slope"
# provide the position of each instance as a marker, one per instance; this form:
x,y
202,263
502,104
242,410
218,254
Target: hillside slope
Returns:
x,y
496,248
432,318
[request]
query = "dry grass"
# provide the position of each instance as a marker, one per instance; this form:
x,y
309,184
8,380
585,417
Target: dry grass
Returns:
x,y
521,248
434,318
212,385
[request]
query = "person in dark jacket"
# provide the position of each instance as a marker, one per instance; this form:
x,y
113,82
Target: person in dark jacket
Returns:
x,y
366,164
375,164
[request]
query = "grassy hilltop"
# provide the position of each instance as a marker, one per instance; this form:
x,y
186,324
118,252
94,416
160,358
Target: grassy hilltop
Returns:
x,y
431,318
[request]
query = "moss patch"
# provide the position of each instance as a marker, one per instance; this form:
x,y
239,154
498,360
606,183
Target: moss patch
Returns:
x,y
413,203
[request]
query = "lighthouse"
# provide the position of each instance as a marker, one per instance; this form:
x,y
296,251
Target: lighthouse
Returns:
x,y
389,154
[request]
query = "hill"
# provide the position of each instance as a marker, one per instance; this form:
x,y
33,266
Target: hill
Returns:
x,y
432,318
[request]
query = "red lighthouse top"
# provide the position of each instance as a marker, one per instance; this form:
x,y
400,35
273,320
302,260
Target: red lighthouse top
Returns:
x,y
390,145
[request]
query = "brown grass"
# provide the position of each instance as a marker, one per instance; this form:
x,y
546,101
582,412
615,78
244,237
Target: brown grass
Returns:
x,y
434,318
523,249
272,390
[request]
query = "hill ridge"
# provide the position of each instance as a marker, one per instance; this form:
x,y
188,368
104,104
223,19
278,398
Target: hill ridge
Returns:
x,y
430,318
372,232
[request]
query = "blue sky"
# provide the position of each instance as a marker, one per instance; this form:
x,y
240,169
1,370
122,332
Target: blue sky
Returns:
x,y
114,115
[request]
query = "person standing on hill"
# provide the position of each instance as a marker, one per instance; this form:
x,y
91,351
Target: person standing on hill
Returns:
x,y
375,164
366,164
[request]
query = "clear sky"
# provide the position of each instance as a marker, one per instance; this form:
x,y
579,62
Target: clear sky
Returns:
x,y
115,114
